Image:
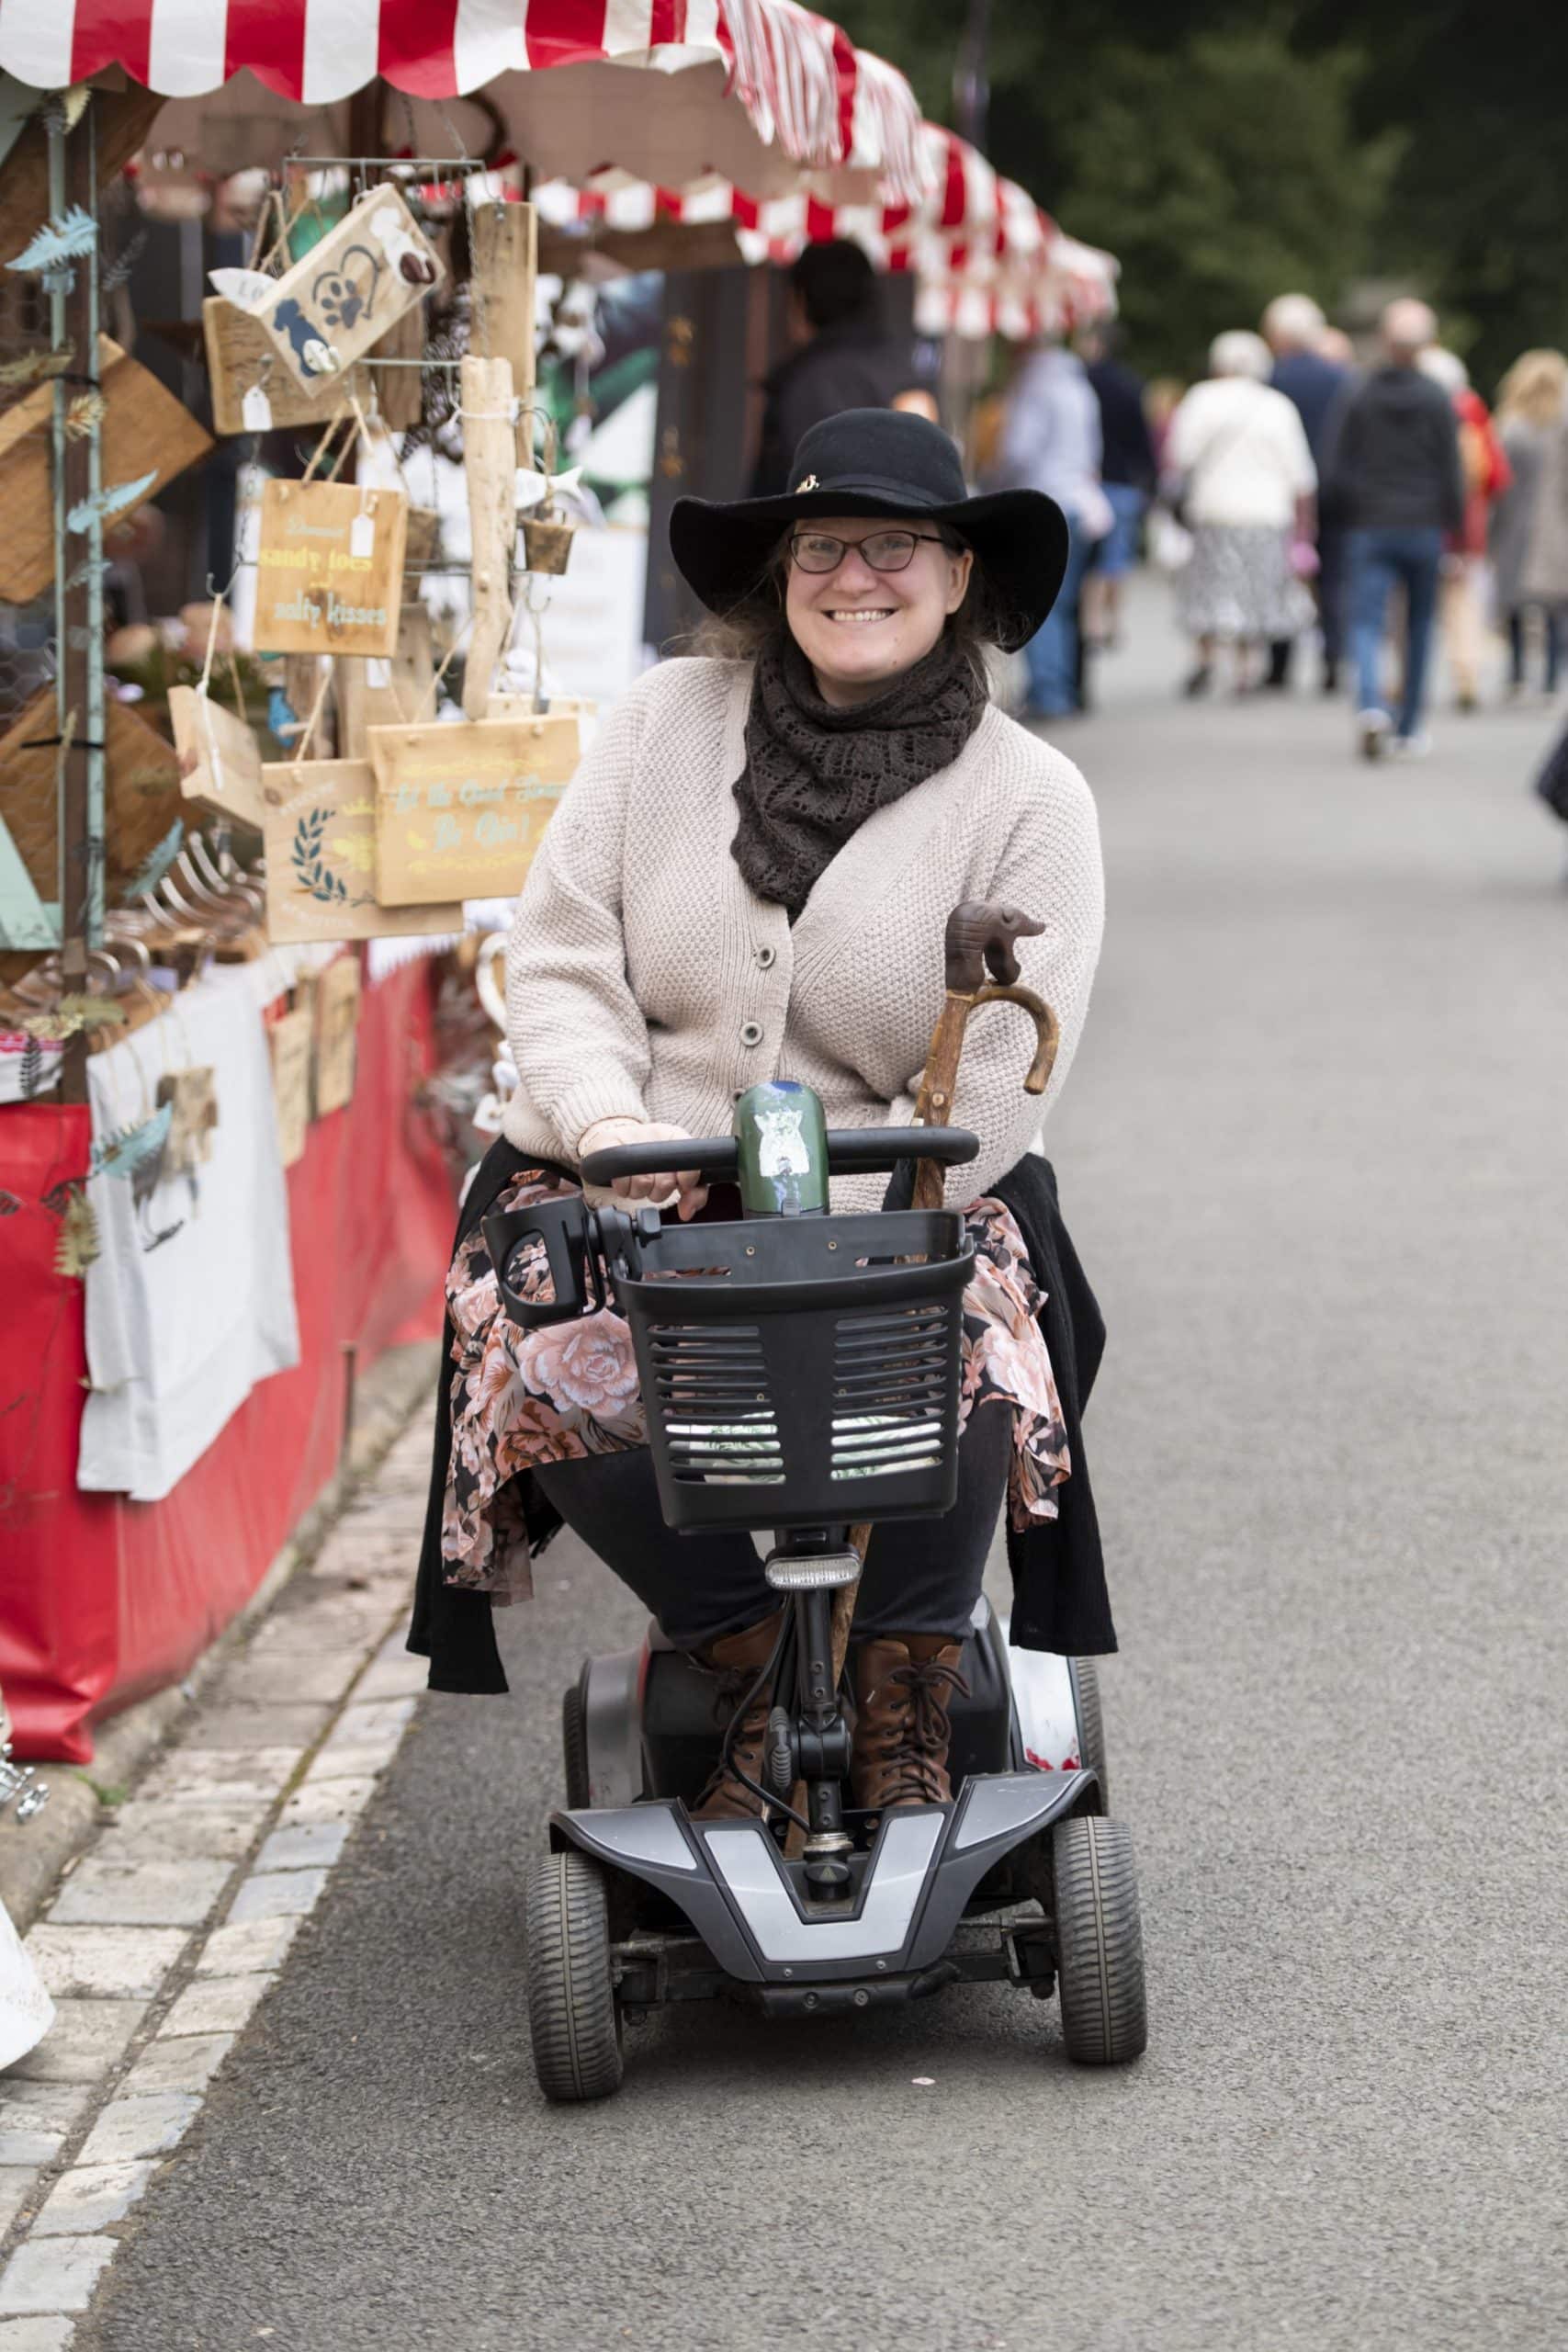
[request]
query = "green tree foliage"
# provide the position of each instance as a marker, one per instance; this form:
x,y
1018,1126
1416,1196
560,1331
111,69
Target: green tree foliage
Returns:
x,y
1478,208
1220,178
1227,152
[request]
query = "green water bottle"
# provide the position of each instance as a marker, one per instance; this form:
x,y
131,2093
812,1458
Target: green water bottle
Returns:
x,y
783,1150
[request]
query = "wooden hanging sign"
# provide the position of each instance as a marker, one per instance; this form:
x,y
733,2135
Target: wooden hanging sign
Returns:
x,y
144,432
337,1031
379,692
321,858
330,569
288,1039
333,306
220,761
254,393
251,390
460,810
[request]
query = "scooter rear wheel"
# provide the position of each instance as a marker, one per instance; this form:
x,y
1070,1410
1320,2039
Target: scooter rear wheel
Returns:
x,y
1099,1941
572,2015
574,1748
1084,1679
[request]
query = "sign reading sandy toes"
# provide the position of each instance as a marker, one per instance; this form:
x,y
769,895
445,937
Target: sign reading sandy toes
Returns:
x,y
330,569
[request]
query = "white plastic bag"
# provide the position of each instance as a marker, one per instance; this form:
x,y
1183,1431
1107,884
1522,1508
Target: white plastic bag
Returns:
x,y
1170,542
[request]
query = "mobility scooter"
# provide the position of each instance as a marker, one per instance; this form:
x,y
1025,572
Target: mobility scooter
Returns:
x,y
801,1376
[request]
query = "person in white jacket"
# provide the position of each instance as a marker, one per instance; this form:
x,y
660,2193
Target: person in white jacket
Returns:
x,y
1238,458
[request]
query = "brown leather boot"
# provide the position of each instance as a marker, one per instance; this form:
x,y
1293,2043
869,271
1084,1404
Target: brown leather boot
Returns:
x,y
903,1682
738,1660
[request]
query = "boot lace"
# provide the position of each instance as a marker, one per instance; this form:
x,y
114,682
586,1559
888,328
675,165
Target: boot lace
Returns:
x,y
733,1682
915,1751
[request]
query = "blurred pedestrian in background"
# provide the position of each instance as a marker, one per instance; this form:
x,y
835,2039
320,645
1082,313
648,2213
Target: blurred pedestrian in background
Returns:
x,y
845,358
1294,329
1462,594
1529,521
1051,441
1126,475
1394,482
1238,465
1162,397
1336,345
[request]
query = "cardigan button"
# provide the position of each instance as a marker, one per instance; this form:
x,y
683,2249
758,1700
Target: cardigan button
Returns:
x,y
767,957
751,1033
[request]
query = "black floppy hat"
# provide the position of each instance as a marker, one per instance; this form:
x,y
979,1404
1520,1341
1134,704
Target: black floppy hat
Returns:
x,y
880,461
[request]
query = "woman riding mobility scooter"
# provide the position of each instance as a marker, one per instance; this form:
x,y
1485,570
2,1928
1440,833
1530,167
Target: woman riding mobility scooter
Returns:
x,y
802,1374
729,924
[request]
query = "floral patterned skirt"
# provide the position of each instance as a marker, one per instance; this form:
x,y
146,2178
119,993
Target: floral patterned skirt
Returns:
x,y
520,1399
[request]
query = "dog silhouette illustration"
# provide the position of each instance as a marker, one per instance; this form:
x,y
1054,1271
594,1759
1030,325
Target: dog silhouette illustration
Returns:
x,y
318,358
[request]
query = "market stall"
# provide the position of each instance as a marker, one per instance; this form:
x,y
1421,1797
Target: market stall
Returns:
x,y
239,839
236,839
987,259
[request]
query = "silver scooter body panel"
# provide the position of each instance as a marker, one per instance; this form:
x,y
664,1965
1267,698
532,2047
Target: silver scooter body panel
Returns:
x,y
733,1886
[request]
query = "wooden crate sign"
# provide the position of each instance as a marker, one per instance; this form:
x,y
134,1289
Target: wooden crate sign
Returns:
x,y
330,569
336,304
251,390
460,810
144,430
254,393
220,761
320,857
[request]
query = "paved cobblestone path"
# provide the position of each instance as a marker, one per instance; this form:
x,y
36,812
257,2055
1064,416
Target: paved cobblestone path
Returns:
x,y
1313,1154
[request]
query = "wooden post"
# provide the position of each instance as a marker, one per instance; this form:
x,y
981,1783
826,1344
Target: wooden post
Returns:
x,y
78,601
489,462
506,259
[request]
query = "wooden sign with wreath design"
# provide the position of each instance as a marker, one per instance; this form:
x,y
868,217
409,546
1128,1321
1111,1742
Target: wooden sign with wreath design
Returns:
x,y
321,858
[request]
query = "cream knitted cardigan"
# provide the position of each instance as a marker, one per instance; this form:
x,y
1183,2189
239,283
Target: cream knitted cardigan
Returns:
x,y
644,979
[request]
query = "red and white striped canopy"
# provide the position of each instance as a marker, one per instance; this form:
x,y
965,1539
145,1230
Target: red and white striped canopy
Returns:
x,y
987,258
763,89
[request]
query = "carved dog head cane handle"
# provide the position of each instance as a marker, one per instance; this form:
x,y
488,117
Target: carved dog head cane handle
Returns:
x,y
980,938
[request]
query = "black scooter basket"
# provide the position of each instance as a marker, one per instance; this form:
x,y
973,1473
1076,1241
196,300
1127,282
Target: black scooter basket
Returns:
x,y
800,1371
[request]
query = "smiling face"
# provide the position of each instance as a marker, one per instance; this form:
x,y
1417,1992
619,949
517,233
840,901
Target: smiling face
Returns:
x,y
860,628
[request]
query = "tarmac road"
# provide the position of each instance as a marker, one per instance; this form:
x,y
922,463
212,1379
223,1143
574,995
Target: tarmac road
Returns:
x,y
1313,1157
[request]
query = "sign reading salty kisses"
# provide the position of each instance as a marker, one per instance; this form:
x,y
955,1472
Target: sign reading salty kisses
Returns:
x,y
330,569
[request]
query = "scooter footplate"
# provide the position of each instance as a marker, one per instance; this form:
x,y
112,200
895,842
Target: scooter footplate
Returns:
x,y
730,1882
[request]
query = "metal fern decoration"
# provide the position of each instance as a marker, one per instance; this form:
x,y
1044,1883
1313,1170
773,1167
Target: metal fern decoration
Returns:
x,y
312,872
128,1149
156,862
63,240
112,501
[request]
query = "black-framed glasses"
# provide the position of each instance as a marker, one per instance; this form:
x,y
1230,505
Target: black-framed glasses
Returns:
x,y
882,551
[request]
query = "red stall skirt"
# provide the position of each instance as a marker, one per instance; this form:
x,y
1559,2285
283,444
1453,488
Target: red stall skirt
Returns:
x,y
103,1599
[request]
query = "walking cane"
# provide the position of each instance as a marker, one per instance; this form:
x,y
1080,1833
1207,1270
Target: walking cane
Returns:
x,y
980,937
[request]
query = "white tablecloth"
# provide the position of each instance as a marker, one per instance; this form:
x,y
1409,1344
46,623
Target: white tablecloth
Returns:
x,y
191,1301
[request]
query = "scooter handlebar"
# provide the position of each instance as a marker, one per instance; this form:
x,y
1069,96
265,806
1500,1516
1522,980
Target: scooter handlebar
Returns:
x,y
852,1151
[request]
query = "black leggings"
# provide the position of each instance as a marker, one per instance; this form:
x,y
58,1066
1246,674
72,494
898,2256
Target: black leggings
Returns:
x,y
923,1575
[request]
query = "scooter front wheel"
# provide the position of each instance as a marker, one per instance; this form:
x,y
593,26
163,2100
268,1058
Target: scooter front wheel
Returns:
x,y
572,2015
1099,1941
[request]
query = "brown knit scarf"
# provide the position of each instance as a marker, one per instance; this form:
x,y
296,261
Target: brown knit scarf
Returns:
x,y
814,774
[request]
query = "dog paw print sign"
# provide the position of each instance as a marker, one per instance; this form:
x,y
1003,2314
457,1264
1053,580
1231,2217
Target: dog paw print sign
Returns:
x,y
327,310
330,569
